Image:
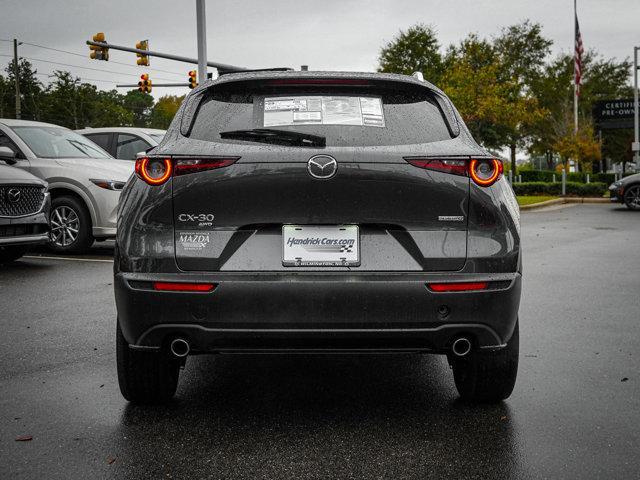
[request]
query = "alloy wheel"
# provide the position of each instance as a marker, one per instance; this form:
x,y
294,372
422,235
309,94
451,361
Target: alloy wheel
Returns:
x,y
632,197
65,225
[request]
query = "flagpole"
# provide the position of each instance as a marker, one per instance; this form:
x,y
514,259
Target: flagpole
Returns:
x,y
575,85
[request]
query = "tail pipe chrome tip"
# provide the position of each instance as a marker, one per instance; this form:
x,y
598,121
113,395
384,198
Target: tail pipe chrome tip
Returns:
x,y
180,347
461,347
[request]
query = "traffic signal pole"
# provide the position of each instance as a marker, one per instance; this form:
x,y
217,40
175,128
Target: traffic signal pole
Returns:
x,y
155,85
201,31
168,56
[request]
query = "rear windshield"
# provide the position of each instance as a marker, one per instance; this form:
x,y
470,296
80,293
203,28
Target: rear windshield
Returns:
x,y
363,116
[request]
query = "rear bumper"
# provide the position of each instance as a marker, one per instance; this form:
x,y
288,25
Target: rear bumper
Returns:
x,y
104,232
316,312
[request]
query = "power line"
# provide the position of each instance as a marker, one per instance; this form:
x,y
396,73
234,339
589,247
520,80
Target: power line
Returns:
x,y
81,78
86,68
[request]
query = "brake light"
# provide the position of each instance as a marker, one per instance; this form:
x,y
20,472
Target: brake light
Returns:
x,y
184,166
317,81
455,166
183,287
485,172
154,171
457,287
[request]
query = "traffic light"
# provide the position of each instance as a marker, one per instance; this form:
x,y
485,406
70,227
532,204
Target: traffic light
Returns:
x,y
144,85
99,53
142,58
193,83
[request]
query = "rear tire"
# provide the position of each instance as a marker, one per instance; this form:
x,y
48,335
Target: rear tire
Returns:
x,y
487,377
632,197
145,377
70,219
11,254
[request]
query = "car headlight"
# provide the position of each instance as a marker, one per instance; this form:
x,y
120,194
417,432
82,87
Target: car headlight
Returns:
x,y
615,185
108,184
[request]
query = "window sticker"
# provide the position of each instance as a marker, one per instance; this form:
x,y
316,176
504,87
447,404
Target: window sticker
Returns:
x,y
321,110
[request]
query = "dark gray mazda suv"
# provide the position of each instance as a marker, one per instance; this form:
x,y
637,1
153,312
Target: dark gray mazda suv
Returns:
x,y
317,212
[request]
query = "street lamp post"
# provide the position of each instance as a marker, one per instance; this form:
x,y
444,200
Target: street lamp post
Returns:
x,y
201,32
636,107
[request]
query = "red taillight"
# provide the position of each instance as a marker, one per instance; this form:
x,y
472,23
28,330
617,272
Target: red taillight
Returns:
x,y
455,166
183,287
154,171
485,172
184,166
457,287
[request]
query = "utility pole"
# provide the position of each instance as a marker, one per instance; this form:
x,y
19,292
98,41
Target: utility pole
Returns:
x,y
636,107
16,74
575,84
201,31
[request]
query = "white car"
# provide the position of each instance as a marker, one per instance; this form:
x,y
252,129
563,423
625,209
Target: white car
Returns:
x,y
124,143
84,180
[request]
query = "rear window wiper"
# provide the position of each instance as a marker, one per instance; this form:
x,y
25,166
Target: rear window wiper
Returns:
x,y
279,137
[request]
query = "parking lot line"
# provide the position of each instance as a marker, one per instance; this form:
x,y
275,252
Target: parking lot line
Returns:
x,y
72,259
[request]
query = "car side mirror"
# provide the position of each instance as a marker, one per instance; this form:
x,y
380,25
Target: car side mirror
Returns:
x,y
8,156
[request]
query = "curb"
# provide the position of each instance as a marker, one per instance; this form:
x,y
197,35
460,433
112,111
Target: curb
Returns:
x,y
557,201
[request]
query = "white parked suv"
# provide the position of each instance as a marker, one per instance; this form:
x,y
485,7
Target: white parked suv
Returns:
x,y
84,180
124,143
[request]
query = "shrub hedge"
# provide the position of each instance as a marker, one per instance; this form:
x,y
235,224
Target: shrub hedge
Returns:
x,y
547,176
594,189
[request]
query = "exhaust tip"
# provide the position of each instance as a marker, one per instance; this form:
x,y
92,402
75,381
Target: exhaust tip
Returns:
x,y
180,347
461,346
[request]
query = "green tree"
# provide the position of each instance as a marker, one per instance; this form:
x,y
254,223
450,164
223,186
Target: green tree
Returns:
x,y
31,91
522,51
488,80
67,101
602,79
164,110
581,145
491,98
73,104
140,105
470,82
414,50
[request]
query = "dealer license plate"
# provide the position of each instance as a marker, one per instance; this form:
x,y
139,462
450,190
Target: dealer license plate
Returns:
x,y
320,245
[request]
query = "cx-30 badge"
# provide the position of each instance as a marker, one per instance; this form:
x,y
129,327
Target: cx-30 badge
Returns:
x,y
322,167
13,195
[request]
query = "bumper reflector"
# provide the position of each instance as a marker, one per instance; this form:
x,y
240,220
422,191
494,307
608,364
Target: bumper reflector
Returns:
x,y
457,287
183,287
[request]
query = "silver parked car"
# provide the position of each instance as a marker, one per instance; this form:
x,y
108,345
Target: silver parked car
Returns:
x,y
24,209
124,143
84,180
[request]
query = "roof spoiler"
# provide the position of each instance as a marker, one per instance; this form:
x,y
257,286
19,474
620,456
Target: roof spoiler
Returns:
x,y
274,69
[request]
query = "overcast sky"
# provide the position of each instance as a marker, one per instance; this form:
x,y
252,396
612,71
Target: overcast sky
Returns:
x,y
325,34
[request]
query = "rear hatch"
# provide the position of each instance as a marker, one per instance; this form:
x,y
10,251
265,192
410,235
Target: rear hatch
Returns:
x,y
329,190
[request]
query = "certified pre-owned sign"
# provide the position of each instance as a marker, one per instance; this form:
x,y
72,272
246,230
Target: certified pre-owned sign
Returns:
x,y
615,113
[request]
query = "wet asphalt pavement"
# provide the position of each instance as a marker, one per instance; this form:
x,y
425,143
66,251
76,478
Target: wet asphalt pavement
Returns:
x,y
575,412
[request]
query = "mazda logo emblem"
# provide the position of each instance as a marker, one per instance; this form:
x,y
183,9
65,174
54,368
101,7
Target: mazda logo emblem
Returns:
x,y
13,195
322,167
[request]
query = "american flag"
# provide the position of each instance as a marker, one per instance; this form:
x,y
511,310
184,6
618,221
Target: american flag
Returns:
x,y
577,60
